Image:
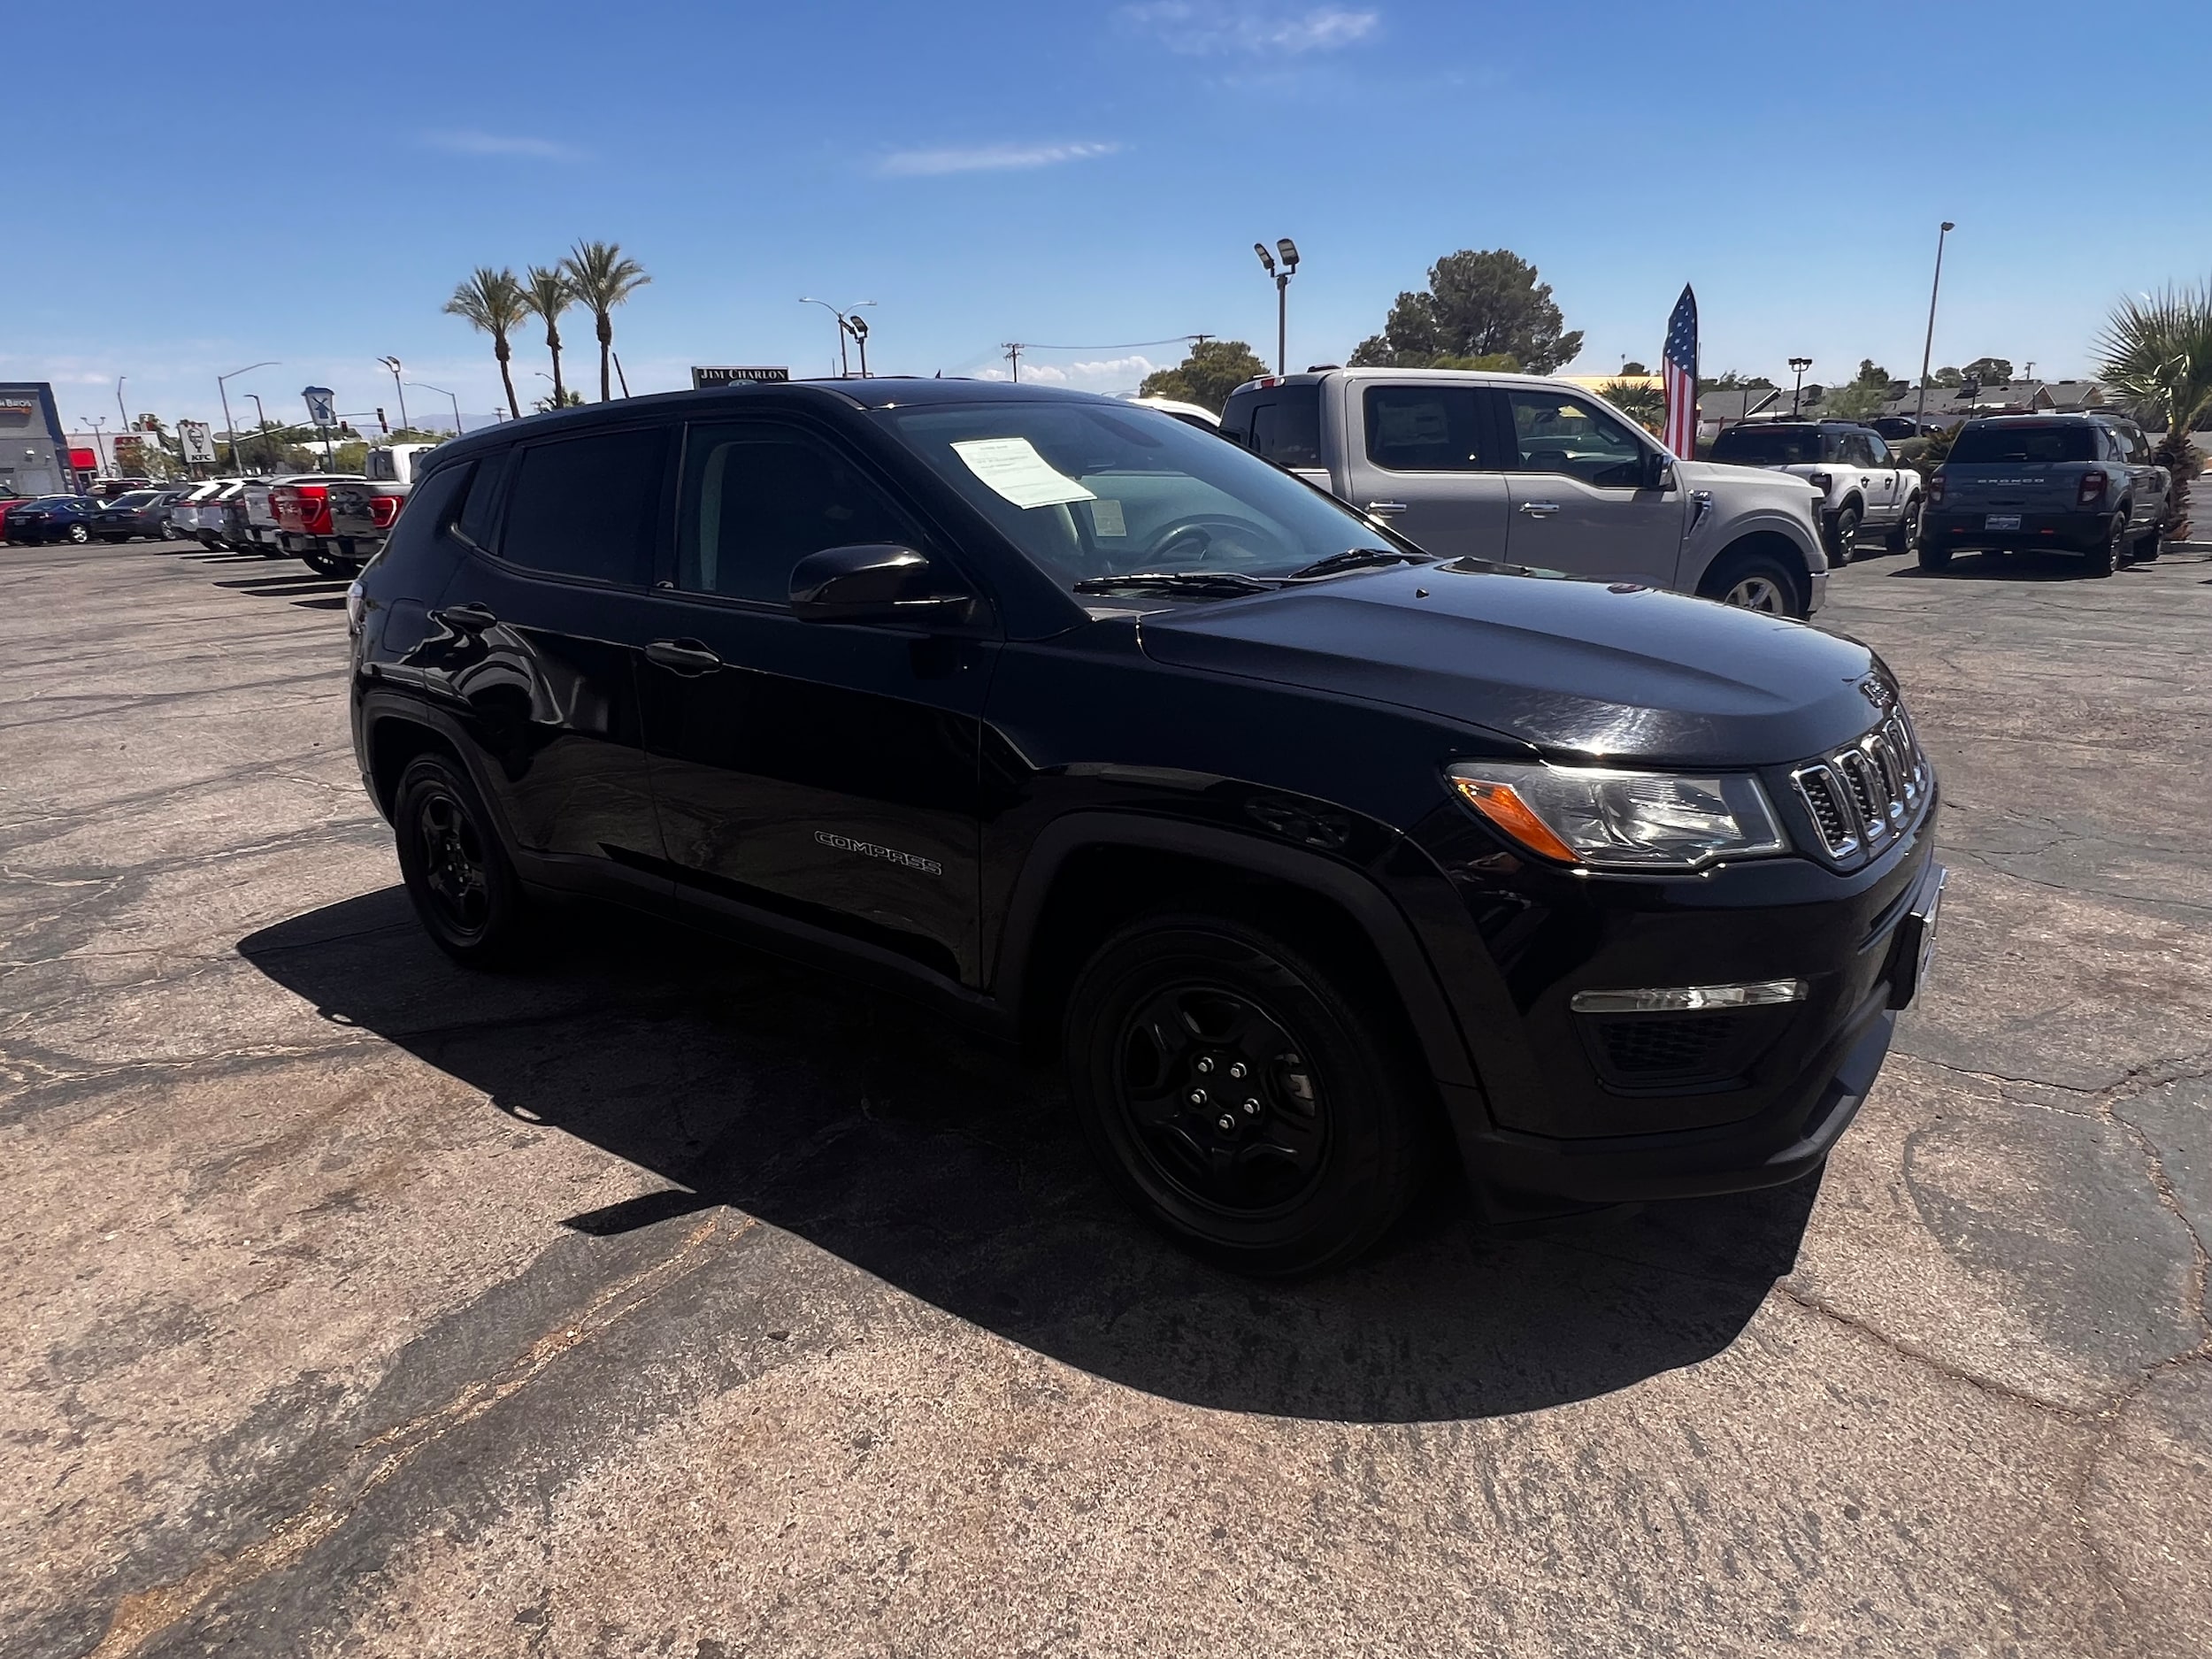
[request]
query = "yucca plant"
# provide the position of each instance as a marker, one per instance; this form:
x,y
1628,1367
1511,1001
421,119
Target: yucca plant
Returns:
x,y
549,292
493,302
602,277
2157,348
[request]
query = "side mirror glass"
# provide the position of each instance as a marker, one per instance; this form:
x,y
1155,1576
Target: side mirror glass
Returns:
x,y
1658,471
874,582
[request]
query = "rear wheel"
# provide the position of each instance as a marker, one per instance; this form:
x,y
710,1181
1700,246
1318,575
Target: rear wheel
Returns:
x,y
1753,580
1241,1096
76,534
2147,548
328,563
1934,558
1843,535
1906,531
2112,553
458,878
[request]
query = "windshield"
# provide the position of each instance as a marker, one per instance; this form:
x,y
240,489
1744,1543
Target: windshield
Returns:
x,y
2024,443
135,498
1768,446
1092,492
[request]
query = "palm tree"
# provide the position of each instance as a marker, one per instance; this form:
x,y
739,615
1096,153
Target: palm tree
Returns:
x,y
549,294
603,279
494,303
2158,350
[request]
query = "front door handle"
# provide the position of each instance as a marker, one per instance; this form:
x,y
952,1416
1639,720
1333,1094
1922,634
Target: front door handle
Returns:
x,y
685,656
465,618
1384,508
1540,509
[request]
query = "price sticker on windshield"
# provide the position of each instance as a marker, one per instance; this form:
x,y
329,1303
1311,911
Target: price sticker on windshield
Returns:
x,y
1012,467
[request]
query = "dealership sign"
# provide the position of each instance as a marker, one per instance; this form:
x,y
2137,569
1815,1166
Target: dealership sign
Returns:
x,y
703,378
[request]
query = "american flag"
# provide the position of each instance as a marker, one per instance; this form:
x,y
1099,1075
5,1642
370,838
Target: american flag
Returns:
x,y
1679,373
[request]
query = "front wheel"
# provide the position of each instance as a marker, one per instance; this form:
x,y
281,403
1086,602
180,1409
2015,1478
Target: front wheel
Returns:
x,y
458,878
1240,1094
76,536
1753,580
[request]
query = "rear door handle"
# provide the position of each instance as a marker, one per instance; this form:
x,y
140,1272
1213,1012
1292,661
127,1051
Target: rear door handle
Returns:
x,y
1540,509
465,618
685,656
1384,508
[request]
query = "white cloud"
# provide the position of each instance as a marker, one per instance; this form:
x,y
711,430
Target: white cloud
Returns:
x,y
1110,373
910,163
503,144
1253,28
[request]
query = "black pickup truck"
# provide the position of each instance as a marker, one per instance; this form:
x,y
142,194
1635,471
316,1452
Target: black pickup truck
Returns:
x,y
2083,484
1312,854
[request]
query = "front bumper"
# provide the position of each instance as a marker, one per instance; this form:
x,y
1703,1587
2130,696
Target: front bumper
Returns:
x,y
1815,590
2065,532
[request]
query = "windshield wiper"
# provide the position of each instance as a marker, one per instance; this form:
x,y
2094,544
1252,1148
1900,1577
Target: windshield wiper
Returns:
x,y
1357,558
1220,584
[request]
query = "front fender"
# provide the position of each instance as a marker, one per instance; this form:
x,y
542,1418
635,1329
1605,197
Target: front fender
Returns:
x,y
1720,529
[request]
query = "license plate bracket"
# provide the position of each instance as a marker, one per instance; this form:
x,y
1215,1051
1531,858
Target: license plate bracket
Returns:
x,y
2001,521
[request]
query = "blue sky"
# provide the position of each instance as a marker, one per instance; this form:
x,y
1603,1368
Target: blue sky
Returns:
x,y
307,184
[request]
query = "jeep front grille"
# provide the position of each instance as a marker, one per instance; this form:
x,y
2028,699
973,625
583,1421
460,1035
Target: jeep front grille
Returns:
x,y
1864,794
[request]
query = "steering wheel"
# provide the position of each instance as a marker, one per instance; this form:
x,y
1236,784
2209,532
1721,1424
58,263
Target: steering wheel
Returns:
x,y
1202,527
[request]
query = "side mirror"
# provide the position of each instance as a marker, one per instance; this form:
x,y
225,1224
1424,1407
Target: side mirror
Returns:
x,y
872,582
1658,471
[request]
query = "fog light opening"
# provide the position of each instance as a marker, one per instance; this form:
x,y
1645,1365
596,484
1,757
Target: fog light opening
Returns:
x,y
1687,998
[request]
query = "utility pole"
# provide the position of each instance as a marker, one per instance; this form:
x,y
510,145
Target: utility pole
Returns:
x,y
1014,348
119,410
1927,347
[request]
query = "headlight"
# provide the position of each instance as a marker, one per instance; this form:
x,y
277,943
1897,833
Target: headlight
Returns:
x,y
1622,820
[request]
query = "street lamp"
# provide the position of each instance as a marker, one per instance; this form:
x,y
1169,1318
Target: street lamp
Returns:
x,y
844,367
99,439
426,385
1799,365
1289,251
1927,346
857,327
224,393
398,387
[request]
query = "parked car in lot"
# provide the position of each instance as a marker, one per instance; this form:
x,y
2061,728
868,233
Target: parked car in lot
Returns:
x,y
2080,484
259,531
138,512
183,513
1312,852
1538,473
52,518
1862,486
361,514
9,501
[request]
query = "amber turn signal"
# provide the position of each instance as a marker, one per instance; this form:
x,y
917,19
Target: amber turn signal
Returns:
x,y
1498,803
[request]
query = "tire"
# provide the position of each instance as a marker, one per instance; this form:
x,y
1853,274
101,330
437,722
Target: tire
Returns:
x,y
457,873
114,539
2112,553
1305,1171
1843,535
76,536
1753,580
1934,557
327,564
1906,531
2147,550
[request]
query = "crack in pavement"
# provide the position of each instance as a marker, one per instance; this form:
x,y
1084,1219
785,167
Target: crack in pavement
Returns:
x,y
142,1615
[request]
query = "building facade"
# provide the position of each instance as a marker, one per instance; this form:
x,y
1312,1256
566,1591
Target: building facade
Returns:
x,y
33,451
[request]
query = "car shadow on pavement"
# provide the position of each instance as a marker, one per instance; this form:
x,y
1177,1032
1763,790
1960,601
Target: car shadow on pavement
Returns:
x,y
2008,567
947,1167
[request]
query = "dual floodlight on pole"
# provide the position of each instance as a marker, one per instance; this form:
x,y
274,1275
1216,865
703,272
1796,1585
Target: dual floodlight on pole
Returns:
x,y
1288,250
1799,365
223,392
844,327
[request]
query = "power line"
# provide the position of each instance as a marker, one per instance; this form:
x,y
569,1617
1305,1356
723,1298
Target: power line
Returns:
x,y
1126,345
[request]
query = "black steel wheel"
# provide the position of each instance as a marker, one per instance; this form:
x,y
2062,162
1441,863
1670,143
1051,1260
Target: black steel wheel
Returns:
x,y
458,874
1843,535
1240,1097
2112,553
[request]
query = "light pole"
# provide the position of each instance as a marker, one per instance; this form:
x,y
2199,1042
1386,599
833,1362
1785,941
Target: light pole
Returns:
x,y
1799,365
1289,251
426,385
99,439
844,364
857,327
222,392
398,387
119,410
1927,347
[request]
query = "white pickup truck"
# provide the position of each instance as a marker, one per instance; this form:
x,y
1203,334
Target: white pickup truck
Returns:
x,y
1863,489
361,513
1533,472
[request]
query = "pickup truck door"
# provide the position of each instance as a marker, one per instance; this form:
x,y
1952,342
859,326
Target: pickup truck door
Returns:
x,y
1423,456
1580,500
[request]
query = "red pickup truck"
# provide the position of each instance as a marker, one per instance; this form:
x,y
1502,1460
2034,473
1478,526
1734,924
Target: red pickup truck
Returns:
x,y
302,510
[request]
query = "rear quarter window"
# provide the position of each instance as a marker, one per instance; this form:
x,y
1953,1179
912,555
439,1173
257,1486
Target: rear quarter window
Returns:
x,y
587,507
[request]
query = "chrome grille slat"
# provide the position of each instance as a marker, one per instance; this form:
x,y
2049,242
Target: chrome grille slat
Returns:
x,y
1862,794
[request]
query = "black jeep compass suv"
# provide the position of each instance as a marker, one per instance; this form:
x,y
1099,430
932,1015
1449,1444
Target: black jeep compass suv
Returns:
x,y
1313,855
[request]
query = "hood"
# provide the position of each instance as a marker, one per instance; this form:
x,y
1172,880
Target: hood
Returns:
x,y
1705,474
1578,669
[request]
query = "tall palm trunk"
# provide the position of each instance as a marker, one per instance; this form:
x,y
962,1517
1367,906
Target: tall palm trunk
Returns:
x,y
606,349
553,344
505,353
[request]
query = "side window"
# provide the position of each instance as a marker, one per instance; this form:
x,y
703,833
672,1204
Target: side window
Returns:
x,y
757,500
1426,429
1286,428
1856,450
586,507
1878,451
1556,431
474,520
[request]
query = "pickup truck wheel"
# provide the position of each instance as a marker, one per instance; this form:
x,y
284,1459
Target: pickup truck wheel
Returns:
x,y
1843,535
327,564
1753,580
2147,548
1241,1096
1906,531
458,878
2112,553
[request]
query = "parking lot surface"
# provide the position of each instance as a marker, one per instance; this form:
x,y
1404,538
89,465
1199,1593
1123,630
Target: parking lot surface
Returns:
x,y
664,1299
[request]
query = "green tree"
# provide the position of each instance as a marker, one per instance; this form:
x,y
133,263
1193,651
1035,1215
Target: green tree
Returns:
x,y
1947,378
1495,362
1634,367
493,302
1214,369
549,292
1476,305
602,278
2157,348
1647,405
1729,380
1870,373
1855,402
1988,372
